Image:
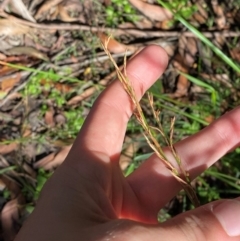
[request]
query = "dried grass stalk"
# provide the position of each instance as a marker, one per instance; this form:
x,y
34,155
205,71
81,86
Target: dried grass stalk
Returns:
x,y
150,132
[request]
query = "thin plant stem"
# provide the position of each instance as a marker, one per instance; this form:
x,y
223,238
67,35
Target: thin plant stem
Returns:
x,y
150,132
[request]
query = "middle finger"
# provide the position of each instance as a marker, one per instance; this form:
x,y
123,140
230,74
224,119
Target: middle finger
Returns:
x,y
197,152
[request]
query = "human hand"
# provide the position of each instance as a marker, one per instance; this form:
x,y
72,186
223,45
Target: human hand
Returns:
x,y
89,199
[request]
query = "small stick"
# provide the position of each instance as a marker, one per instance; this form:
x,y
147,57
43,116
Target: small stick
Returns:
x,y
137,32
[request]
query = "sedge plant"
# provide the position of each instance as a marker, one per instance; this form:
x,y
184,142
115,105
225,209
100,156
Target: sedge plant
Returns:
x,y
151,132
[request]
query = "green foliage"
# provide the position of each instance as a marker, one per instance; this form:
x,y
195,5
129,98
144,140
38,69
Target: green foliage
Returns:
x,y
130,169
71,127
42,177
208,194
163,216
182,7
6,193
33,87
32,192
44,84
7,169
56,95
118,12
74,122
209,88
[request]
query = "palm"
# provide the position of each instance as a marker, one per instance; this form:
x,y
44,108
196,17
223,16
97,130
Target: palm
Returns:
x,y
88,197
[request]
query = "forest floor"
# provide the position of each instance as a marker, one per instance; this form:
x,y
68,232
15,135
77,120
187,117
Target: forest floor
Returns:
x,y
52,68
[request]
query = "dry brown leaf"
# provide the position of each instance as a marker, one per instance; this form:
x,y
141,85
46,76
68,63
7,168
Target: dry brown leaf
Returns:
x,y
29,51
87,93
27,131
81,10
3,162
221,22
199,18
49,117
13,96
12,185
182,82
2,185
7,148
179,64
46,6
19,8
5,70
218,10
219,41
53,160
201,15
107,2
59,158
188,49
182,86
64,14
166,24
2,56
113,45
143,23
201,7
41,163
74,59
11,28
16,59
209,119
235,53
169,47
75,5
126,25
7,84
64,88
10,220
153,12
90,91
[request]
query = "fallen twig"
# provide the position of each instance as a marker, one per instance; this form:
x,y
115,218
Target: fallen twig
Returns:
x,y
117,31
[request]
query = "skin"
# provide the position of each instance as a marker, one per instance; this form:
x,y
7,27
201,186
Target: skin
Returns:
x,y
88,198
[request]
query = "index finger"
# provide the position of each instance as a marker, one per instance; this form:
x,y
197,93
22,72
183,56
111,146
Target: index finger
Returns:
x,y
105,126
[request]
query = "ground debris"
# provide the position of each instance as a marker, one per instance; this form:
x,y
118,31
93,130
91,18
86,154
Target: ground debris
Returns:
x,y
52,68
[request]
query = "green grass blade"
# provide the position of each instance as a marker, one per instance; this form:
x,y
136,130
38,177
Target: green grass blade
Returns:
x,y
37,71
7,169
130,169
231,181
205,40
199,82
143,157
179,112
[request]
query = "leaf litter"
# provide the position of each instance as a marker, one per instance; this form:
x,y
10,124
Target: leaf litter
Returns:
x,y
62,69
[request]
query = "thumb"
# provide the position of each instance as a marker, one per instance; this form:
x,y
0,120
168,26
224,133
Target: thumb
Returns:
x,y
219,220
216,221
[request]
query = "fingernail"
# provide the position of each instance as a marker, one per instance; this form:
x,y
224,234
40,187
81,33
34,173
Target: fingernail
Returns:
x,y
228,214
